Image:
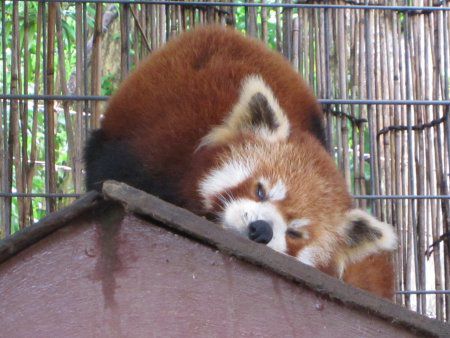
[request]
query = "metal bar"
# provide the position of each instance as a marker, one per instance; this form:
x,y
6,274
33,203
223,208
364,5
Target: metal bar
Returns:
x,y
367,197
322,101
424,292
402,197
269,5
33,195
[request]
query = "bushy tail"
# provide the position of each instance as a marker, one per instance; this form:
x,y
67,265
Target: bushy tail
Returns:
x,y
112,159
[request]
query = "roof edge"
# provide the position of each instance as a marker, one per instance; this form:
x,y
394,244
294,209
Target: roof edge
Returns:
x,y
181,220
22,239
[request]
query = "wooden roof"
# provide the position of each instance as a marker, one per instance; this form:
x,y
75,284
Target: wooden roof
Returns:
x,y
133,265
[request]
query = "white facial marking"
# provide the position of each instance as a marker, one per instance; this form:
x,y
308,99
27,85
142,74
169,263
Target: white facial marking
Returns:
x,y
239,213
229,175
276,192
307,256
318,253
299,223
313,255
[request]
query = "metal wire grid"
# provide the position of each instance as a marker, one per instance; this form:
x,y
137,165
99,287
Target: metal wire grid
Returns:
x,y
327,100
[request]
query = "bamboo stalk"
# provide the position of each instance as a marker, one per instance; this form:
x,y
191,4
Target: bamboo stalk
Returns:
x,y
79,126
162,24
353,62
287,31
342,66
278,29
173,21
4,211
16,115
295,40
49,112
264,27
25,203
96,65
397,173
252,29
141,30
62,75
37,79
13,132
124,41
3,230
434,220
137,36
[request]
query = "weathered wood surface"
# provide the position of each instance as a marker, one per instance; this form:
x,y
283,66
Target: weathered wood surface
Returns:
x,y
181,220
119,276
12,245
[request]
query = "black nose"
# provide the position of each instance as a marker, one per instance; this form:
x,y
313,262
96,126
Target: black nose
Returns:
x,y
260,232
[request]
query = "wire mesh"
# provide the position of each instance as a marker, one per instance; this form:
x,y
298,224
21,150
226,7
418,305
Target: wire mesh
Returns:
x,y
379,68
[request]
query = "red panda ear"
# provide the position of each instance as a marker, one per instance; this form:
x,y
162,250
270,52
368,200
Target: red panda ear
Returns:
x,y
257,111
364,235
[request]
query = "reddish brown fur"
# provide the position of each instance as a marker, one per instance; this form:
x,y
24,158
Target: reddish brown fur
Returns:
x,y
374,274
192,84
175,97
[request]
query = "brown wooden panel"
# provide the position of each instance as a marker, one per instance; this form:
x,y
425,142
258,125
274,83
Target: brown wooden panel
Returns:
x,y
100,279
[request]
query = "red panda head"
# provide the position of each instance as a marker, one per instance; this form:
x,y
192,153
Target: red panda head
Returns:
x,y
280,187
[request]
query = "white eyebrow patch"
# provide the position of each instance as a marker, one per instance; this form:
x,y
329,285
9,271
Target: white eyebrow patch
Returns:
x,y
299,223
277,192
229,175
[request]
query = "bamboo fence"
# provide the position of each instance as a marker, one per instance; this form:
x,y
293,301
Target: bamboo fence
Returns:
x,y
380,69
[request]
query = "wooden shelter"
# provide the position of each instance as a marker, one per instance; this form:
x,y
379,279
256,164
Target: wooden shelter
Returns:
x,y
127,264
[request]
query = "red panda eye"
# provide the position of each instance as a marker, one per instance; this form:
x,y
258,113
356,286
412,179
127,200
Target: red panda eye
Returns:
x,y
260,192
294,233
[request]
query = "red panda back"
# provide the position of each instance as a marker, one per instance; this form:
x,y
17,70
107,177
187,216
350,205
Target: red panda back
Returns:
x,y
180,92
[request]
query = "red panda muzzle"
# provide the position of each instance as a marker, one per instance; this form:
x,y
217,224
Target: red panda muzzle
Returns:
x,y
260,232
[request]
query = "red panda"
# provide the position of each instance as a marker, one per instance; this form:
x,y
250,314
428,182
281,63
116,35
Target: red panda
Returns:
x,y
219,124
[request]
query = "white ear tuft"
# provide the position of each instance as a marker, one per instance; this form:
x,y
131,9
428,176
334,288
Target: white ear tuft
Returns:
x,y
364,235
257,111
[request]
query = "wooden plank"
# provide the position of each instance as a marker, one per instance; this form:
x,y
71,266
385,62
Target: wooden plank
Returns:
x,y
189,224
30,235
110,274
